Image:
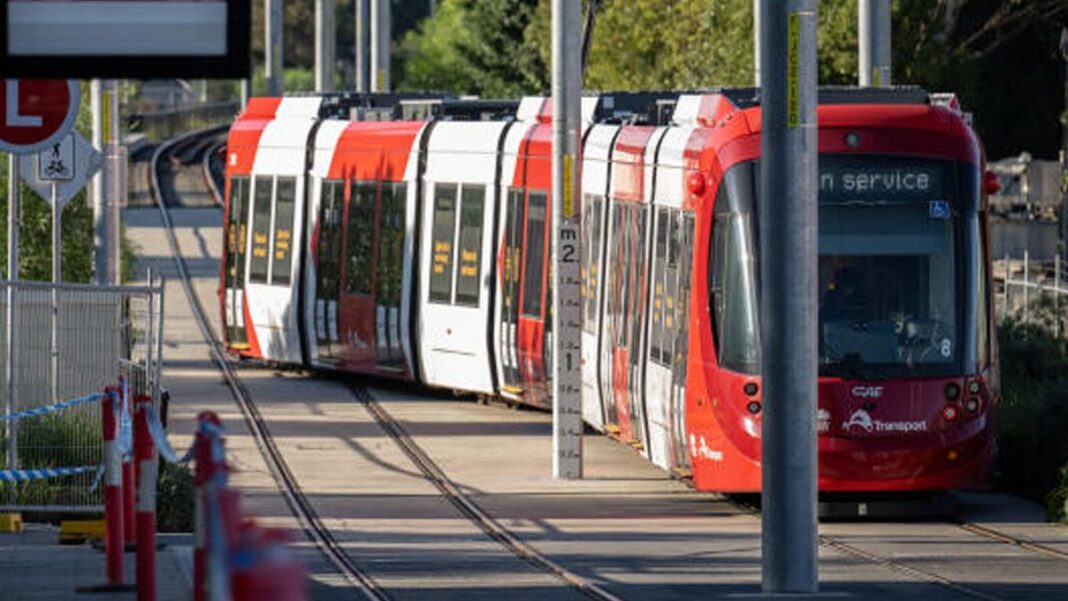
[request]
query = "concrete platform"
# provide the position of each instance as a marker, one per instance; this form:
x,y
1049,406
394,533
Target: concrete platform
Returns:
x,y
627,526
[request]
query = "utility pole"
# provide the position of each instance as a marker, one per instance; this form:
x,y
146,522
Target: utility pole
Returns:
x,y
788,299
874,45
1064,149
101,132
325,42
381,33
115,192
566,249
14,207
756,43
362,34
272,47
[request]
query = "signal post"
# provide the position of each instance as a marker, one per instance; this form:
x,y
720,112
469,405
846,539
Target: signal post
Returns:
x,y
788,296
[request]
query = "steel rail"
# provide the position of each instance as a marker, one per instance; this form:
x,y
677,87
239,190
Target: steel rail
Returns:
x,y
489,525
287,483
992,534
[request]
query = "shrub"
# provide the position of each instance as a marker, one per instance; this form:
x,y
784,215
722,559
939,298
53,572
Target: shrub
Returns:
x,y
175,494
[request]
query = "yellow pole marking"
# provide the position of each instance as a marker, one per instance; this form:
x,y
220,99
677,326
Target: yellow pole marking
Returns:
x,y
793,67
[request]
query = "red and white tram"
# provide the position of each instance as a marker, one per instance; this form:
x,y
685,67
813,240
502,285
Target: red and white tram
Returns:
x,y
417,249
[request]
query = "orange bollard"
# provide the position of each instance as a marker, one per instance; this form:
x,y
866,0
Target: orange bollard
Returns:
x,y
145,456
265,568
206,467
129,479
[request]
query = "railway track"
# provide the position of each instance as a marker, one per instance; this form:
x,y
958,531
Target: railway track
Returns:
x,y
296,499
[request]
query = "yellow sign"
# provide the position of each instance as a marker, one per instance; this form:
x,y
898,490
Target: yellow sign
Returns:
x,y
569,188
107,116
793,67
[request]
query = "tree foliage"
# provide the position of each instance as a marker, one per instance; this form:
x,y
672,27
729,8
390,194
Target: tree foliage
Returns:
x,y
1000,56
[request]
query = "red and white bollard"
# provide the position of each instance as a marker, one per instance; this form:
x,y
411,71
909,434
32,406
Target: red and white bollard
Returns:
x,y
129,480
145,456
207,465
113,510
265,568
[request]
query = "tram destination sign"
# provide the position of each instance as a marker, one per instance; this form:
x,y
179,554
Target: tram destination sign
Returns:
x,y
83,39
876,180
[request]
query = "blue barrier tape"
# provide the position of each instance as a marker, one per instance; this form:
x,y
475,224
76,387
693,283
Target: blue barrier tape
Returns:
x,y
38,411
122,417
159,437
44,474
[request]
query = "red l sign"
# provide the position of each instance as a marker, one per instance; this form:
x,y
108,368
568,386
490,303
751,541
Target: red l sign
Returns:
x,y
36,113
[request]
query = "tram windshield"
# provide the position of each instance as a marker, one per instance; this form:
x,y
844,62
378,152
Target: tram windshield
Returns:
x,y
889,286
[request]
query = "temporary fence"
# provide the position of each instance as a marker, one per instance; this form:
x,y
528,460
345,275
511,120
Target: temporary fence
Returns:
x,y
164,125
1033,292
56,342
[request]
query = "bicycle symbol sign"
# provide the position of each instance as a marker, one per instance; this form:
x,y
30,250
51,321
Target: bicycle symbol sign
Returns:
x,y
56,163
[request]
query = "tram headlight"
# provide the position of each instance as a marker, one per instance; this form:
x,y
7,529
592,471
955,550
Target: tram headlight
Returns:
x,y
750,389
952,391
972,405
973,387
950,413
753,407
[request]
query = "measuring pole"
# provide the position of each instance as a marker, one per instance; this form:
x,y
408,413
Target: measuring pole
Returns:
x,y
788,300
874,48
566,249
325,37
381,33
272,47
362,48
14,206
57,264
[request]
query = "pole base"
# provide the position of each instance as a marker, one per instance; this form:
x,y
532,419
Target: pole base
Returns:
x,y
106,588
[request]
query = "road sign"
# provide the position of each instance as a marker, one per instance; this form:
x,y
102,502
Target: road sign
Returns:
x,y
36,113
68,163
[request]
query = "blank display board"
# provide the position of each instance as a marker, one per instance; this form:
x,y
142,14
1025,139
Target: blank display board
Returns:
x,y
124,38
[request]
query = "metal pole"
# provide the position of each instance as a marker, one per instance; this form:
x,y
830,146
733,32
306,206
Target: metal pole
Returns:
x,y
1008,309
99,184
756,43
1057,294
117,191
1064,148
272,47
362,48
325,37
788,299
566,250
874,47
14,206
244,93
57,264
381,33
1026,283
158,368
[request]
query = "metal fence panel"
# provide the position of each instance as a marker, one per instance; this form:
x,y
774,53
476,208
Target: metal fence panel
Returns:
x,y
98,333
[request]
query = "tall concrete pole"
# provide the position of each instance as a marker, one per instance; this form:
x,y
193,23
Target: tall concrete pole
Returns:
x,y
381,34
244,93
756,43
874,45
101,131
363,47
566,249
788,300
325,42
14,206
272,47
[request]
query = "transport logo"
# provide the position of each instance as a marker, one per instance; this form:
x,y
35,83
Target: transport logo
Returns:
x,y
863,420
823,420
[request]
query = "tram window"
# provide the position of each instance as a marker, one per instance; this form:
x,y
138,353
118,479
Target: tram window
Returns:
x,y
737,342
533,271
641,279
591,259
982,299
468,275
331,203
261,230
359,252
237,231
685,223
442,233
659,287
390,261
285,198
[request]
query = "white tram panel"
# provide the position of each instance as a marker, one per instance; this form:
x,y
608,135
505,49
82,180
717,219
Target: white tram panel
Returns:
x,y
454,332
666,400
595,171
504,335
272,303
320,315
403,326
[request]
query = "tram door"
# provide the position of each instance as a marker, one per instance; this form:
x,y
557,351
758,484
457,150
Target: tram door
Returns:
x,y
389,270
236,249
530,330
511,266
328,270
684,237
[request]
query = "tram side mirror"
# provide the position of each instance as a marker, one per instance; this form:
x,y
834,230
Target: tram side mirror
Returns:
x,y
991,183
